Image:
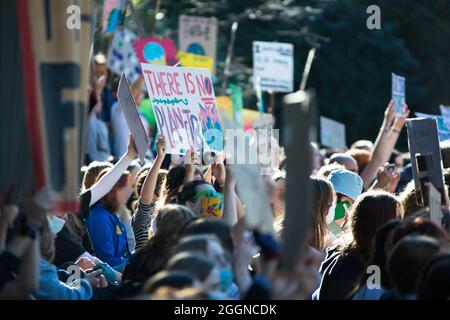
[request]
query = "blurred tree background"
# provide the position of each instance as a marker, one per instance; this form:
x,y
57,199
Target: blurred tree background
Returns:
x,y
352,69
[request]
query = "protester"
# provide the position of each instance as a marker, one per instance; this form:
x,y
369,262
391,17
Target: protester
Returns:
x,y
344,267
406,263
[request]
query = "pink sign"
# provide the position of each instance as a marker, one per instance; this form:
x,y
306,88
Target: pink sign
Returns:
x,y
156,51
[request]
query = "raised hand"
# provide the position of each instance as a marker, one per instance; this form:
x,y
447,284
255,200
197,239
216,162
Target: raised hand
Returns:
x,y
161,146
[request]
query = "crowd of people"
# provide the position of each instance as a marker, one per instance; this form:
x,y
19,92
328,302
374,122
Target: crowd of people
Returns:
x,y
178,231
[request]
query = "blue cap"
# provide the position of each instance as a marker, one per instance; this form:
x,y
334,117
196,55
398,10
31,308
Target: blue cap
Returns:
x,y
346,182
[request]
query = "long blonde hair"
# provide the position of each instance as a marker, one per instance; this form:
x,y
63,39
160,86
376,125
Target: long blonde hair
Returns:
x,y
324,197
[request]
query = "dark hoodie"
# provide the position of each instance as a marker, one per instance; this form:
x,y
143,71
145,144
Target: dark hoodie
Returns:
x,y
341,272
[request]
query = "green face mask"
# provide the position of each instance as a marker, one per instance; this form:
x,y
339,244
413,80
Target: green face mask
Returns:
x,y
341,208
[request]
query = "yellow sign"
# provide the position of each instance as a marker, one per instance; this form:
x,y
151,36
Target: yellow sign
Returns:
x,y
195,61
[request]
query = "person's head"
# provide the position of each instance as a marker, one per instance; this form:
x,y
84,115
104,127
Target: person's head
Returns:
x,y
201,197
348,185
363,145
434,283
408,200
171,219
346,160
217,227
160,187
207,244
325,170
118,196
407,261
100,65
175,279
420,226
91,173
136,90
175,178
324,199
370,211
361,156
153,256
200,266
445,153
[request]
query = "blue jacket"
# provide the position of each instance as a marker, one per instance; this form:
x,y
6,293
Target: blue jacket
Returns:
x,y
108,236
51,288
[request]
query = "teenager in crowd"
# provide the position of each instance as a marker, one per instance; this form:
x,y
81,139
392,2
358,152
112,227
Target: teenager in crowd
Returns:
x,y
344,267
153,256
406,263
348,186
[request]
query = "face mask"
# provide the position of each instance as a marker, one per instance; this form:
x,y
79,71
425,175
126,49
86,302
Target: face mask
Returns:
x,y
331,213
56,224
226,279
341,210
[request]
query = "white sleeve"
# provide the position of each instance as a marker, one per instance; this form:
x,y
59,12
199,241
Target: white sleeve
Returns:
x,y
107,182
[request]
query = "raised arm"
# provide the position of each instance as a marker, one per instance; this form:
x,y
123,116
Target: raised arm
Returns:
x,y
107,182
189,160
148,188
229,207
385,143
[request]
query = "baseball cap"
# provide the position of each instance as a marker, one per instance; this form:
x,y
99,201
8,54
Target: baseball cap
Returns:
x,y
346,182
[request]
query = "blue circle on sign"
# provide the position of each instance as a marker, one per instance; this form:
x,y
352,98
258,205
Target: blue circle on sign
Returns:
x,y
196,48
154,52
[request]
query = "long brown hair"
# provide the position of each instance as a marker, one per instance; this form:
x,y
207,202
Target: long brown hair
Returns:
x,y
369,212
323,194
110,199
153,256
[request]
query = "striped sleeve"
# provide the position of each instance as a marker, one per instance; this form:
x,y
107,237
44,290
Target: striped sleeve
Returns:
x,y
141,223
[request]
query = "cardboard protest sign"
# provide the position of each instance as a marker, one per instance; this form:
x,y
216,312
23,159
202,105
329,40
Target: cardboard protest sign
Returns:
x,y
160,51
132,117
198,35
51,65
273,63
398,94
425,153
434,204
332,133
185,109
249,181
445,112
112,14
195,61
299,110
121,56
443,130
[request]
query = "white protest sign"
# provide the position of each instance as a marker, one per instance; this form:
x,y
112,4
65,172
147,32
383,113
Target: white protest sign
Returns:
x,y
249,182
332,133
398,94
273,63
185,108
198,35
132,117
122,58
434,204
